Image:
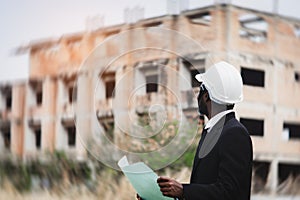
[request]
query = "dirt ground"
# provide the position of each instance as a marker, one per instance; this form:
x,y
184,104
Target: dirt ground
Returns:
x,y
107,189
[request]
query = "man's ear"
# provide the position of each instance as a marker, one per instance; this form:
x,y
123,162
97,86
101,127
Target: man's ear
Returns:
x,y
206,97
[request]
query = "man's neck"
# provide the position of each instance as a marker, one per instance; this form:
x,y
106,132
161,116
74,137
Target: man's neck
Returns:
x,y
216,109
213,121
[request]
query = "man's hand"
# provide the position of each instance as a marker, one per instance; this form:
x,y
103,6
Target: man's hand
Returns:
x,y
170,187
138,197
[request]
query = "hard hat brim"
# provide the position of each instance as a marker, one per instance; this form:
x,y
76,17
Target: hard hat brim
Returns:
x,y
200,77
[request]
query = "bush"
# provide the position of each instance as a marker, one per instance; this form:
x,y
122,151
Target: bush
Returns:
x,y
19,173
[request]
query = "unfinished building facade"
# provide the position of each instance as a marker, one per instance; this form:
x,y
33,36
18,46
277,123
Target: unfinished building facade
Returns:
x,y
47,112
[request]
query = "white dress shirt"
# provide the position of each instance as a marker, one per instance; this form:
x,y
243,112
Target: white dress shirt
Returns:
x,y
213,121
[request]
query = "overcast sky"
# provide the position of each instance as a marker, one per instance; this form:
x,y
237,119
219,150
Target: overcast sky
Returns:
x,y
25,20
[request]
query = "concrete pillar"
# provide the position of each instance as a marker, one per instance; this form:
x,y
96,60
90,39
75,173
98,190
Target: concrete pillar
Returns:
x,y
98,95
2,108
99,85
83,113
272,180
17,123
60,136
2,147
2,101
184,77
29,138
173,90
140,82
48,118
124,87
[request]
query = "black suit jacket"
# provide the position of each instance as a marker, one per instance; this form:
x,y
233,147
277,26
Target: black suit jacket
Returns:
x,y
224,170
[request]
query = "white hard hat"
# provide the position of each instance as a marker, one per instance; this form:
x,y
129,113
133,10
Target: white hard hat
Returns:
x,y
223,82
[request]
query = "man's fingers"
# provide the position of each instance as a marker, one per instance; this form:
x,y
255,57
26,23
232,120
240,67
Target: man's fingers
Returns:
x,y
163,179
164,184
138,197
165,189
168,194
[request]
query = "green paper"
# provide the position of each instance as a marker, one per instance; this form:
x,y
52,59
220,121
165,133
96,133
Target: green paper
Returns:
x,y
143,179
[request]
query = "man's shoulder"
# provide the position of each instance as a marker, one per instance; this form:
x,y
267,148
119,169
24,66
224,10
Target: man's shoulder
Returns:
x,y
235,135
233,126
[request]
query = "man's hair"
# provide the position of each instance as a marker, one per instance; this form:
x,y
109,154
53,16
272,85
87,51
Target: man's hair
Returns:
x,y
230,107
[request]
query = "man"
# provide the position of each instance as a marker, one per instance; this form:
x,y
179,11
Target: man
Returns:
x,y
223,162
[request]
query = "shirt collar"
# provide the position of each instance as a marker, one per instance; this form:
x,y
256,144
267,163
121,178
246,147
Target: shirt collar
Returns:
x,y
213,121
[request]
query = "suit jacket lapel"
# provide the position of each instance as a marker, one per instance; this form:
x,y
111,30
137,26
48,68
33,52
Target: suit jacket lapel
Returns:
x,y
208,141
196,157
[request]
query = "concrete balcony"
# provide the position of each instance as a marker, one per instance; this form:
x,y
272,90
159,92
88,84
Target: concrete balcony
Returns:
x,y
142,102
35,114
68,111
104,108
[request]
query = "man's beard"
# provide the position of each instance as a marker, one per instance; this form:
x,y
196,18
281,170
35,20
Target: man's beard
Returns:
x,y
202,108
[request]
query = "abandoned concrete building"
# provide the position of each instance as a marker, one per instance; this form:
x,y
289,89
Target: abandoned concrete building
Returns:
x,y
38,115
